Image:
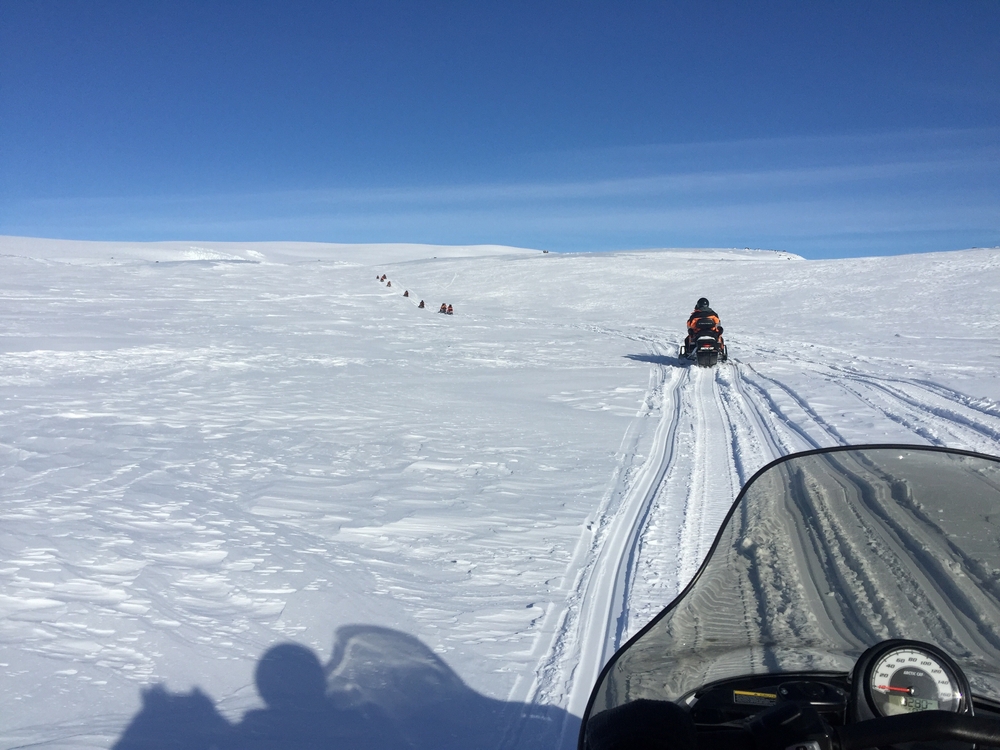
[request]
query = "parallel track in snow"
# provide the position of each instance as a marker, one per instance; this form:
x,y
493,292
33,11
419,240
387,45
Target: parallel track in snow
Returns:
x,y
939,415
706,442
714,429
592,622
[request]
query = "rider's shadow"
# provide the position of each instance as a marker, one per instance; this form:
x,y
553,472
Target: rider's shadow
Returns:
x,y
174,721
300,714
658,359
381,690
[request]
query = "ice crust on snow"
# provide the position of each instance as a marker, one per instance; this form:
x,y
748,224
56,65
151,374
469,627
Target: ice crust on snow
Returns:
x,y
208,449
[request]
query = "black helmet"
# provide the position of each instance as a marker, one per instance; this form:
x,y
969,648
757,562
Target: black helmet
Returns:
x,y
702,304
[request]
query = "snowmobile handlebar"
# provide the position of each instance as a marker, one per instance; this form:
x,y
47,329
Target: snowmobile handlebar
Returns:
x,y
935,726
645,723
925,726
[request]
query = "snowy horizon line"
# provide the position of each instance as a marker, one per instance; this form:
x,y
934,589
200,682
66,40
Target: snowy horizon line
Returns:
x,y
196,244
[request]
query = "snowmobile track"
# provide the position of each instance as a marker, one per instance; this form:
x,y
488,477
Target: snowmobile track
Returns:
x,y
810,442
723,438
689,474
715,428
919,412
772,420
591,625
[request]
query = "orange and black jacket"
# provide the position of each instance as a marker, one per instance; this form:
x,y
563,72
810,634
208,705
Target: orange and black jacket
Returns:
x,y
697,315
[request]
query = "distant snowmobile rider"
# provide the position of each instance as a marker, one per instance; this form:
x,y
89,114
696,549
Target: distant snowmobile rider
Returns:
x,y
702,311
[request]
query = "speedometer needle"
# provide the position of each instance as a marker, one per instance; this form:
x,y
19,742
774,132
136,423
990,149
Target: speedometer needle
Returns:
x,y
907,690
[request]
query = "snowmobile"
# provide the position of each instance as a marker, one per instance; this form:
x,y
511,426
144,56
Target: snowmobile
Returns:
x,y
706,346
850,600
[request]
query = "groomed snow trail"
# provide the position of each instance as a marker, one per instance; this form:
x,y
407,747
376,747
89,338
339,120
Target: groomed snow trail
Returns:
x,y
706,441
714,429
719,441
592,623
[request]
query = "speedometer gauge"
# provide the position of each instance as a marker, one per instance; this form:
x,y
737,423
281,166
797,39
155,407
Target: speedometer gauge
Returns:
x,y
909,679
900,677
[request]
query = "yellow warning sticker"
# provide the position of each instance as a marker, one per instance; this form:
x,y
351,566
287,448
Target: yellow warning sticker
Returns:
x,y
750,698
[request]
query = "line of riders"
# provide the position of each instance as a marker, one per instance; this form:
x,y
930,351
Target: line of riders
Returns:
x,y
704,321
445,309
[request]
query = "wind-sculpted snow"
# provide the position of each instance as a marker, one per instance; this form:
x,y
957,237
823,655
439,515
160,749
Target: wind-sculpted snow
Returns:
x,y
207,450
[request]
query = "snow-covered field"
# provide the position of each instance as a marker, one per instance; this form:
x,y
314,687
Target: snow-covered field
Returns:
x,y
209,449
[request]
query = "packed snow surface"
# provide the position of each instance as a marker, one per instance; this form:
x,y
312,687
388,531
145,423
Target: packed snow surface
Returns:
x,y
209,450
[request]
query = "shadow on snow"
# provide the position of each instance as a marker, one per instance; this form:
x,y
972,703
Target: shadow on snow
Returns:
x,y
659,359
381,690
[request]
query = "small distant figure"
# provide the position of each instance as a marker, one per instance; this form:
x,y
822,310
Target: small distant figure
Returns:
x,y
450,310
406,293
377,277
383,278
421,305
388,284
444,309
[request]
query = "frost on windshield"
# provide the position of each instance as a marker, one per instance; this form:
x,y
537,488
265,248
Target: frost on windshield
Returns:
x,y
826,555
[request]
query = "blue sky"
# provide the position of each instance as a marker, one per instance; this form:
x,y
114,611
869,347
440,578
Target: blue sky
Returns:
x,y
824,128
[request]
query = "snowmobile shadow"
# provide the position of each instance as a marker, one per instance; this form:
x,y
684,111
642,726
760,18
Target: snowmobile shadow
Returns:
x,y
659,359
381,690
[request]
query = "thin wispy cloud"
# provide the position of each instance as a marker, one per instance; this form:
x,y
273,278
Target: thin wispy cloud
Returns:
x,y
792,193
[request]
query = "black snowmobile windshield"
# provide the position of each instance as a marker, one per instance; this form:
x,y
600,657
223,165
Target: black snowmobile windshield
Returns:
x,y
823,555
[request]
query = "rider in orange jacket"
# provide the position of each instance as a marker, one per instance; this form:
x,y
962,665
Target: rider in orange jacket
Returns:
x,y
702,312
